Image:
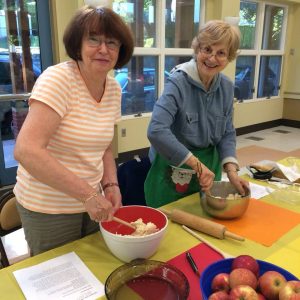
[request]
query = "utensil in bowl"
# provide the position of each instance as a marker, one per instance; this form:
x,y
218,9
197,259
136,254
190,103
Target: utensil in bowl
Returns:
x,y
146,279
126,247
221,205
124,222
224,266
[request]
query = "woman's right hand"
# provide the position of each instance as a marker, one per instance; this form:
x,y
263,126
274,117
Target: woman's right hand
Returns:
x,y
99,209
205,175
206,178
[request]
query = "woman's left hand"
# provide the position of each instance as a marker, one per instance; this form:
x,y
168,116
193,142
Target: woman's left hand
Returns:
x,y
113,195
240,184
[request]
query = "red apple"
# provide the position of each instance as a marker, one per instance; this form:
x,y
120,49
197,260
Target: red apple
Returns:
x,y
219,295
243,292
261,296
246,262
270,283
242,277
220,282
290,291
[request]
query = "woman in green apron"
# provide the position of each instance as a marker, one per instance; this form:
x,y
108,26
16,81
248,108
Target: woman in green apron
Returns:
x,y
191,130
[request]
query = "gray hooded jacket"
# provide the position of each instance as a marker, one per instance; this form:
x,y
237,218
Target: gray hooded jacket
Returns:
x,y
187,117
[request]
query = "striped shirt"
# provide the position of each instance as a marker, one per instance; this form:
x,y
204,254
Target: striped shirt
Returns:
x,y
85,131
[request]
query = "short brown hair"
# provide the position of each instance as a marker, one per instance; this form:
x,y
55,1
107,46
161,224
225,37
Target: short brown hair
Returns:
x,y
218,32
102,21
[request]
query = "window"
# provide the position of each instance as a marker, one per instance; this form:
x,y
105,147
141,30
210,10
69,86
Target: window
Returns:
x,y
163,32
258,67
19,43
138,82
25,49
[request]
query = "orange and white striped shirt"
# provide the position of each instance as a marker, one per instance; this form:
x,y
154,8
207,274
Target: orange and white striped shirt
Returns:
x,y
85,132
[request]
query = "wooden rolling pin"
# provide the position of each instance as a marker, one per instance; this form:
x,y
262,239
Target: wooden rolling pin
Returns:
x,y
198,223
203,240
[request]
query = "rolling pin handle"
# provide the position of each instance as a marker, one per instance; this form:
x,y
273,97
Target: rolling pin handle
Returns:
x,y
233,236
206,226
166,212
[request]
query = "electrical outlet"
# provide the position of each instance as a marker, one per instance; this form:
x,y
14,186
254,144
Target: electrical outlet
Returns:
x,y
123,132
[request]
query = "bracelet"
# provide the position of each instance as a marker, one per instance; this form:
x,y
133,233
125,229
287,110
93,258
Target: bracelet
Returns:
x,y
199,168
109,184
89,197
228,171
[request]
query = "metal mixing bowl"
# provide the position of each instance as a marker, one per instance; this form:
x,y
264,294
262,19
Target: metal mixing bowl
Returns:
x,y
224,202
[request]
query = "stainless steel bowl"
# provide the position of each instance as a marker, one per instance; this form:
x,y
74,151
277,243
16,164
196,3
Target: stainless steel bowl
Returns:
x,y
224,202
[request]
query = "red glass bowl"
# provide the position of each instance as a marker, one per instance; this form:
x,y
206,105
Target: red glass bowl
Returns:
x,y
147,279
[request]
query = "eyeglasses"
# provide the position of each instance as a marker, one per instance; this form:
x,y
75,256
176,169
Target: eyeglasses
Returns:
x,y
220,55
96,41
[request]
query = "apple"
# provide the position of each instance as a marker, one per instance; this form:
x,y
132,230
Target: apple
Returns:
x,y
261,296
270,284
219,295
290,291
242,276
220,282
243,292
246,262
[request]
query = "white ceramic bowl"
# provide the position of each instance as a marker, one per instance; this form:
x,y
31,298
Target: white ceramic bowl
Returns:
x,y
126,247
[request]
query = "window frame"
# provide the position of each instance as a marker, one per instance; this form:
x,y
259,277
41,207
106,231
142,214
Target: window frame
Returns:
x,y
8,174
160,51
258,52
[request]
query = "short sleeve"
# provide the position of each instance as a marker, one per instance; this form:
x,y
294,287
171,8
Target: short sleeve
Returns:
x,y
53,89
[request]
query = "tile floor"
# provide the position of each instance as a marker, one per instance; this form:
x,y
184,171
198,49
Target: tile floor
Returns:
x,y
271,144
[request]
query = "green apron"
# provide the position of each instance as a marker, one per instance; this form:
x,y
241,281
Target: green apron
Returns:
x,y
165,184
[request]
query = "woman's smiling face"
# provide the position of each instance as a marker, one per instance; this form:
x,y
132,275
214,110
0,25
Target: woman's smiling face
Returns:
x,y
211,60
99,53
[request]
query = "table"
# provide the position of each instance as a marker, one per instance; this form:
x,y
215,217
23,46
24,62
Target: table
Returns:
x,y
94,253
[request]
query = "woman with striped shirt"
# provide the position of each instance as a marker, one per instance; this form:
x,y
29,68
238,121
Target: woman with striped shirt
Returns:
x,y
66,179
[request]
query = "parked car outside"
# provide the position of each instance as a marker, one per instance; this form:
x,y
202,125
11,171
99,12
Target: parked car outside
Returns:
x,y
243,84
140,93
6,88
5,72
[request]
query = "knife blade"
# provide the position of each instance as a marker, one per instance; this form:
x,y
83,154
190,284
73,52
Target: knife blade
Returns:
x,y
282,180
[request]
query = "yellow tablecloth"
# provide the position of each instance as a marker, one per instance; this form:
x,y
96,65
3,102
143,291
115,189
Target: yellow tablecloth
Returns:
x,y
94,253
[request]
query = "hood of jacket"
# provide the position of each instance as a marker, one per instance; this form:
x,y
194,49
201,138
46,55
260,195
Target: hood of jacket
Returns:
x,y
190,68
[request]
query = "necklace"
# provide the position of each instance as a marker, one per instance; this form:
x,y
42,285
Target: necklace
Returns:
x,y
95,89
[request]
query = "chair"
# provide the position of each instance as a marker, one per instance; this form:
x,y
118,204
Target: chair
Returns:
x,y
131,178
9,221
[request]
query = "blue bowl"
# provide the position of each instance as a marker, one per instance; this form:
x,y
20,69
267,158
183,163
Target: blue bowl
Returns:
x,y
224,266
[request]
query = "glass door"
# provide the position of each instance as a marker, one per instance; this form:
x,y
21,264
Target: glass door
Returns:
x,y
25,50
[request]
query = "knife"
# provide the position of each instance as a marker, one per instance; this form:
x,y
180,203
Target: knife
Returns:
x,y
281,180
192,263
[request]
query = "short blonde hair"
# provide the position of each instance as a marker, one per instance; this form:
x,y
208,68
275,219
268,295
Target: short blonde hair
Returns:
x,y
218,32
